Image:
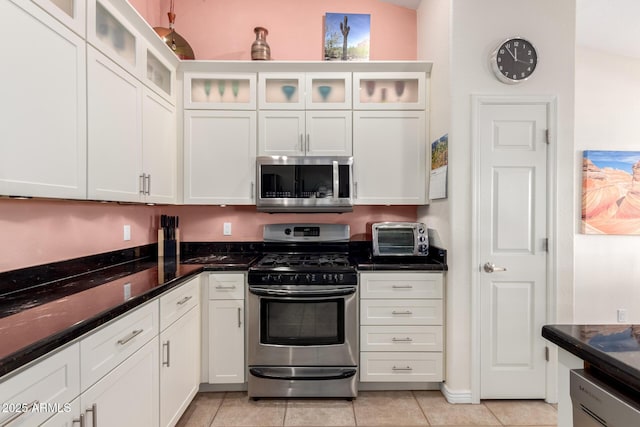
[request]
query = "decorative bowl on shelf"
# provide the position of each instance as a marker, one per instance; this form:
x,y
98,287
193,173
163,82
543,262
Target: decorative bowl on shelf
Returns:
x,y
324,92
288,91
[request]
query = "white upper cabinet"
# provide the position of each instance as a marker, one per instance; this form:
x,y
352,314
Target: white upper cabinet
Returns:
x,y
43,153
132,137
281,91
71,13
390,158
219,157
217,91
109,32
328,91
304,114
389,91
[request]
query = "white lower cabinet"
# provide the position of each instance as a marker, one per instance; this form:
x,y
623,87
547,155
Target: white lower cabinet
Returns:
x,y
225,328
53,382
128,395
401,327
179,351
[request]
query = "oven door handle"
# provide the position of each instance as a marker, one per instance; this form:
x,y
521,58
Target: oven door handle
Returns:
x,y
271,292
335,375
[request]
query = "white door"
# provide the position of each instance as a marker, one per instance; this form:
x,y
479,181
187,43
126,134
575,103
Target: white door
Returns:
x,y
226,341
512,247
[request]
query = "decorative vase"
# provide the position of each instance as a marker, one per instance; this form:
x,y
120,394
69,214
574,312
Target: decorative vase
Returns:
x,y
260,49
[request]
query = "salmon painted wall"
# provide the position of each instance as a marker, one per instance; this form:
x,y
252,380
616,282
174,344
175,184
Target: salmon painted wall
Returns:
x,y
223,30
37,232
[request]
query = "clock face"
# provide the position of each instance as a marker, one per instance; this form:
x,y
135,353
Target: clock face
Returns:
x,y
514,60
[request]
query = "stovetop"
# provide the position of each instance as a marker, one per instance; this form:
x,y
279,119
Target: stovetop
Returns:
x,y
304,260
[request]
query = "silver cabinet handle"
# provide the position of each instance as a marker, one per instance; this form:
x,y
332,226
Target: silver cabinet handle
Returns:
x,y
148,184
239,317
355,190
308,142
407,339
402,286
225,287
302,142
184,300
94,414
167,346
143,185
132,335
17,415
402,312
252,194
406,368
78,420
491,268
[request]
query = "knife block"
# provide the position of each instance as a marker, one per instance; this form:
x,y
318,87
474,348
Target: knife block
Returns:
x,y
168,247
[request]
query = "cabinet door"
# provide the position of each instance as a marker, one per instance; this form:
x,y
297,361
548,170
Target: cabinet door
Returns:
x,y
282,133
159,148
212,91
281,91
180,366
329,133
389,91
226,341
389,157
328,91
128,396
54,380
44,143
219,157
70,12
115,117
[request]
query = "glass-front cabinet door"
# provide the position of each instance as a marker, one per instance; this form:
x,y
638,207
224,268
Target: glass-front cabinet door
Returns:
x,y
159,75
70,12
281,91
328,91
107,31
216,91
389,91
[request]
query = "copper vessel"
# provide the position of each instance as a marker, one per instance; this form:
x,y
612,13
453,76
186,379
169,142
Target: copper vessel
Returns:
x,y
175,41
260,50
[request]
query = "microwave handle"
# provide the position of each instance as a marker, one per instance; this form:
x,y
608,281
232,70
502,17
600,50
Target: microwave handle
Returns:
x,y
336,179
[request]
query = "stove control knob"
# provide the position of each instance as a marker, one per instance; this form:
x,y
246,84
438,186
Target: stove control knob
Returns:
x,y
266,278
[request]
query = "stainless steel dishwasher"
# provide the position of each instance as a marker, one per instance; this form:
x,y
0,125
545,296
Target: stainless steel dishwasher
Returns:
x,y
597,403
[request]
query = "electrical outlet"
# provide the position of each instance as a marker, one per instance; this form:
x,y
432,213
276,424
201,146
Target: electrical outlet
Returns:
x,y
622,315
127,291
127,232
226,229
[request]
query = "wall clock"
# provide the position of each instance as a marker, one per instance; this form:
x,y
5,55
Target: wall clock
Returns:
x,y
514,60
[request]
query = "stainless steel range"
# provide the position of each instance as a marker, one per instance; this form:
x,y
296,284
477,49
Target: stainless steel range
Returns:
x,y
303,314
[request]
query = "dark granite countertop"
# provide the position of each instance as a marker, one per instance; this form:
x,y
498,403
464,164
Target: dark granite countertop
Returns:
x,y
45,307
614,350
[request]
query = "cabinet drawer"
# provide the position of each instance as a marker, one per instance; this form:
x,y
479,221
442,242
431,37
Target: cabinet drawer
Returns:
x,y
226,286
178,302
103,350
400,367
401,338
53,381
401,285
401,312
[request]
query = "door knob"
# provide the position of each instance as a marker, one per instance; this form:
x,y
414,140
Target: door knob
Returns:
x,y
491,268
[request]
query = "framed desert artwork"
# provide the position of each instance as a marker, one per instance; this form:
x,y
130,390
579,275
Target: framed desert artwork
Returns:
x,y
611,192
346,36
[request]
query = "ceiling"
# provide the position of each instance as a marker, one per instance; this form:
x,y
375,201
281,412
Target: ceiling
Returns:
x,y
409,4
609,25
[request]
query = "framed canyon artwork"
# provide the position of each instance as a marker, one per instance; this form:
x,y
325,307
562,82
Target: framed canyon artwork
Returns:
x,y
611,192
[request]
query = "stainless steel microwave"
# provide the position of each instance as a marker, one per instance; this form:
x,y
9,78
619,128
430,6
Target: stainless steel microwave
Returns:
x,y
304,184
399,239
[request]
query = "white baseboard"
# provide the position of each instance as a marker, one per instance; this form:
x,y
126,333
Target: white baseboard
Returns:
x,y
456,396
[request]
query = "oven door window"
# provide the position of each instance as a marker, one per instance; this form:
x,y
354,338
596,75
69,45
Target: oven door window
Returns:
x,y
301,322
396,241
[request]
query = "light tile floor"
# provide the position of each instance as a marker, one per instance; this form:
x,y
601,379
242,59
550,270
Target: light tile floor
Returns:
x,y
371,408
